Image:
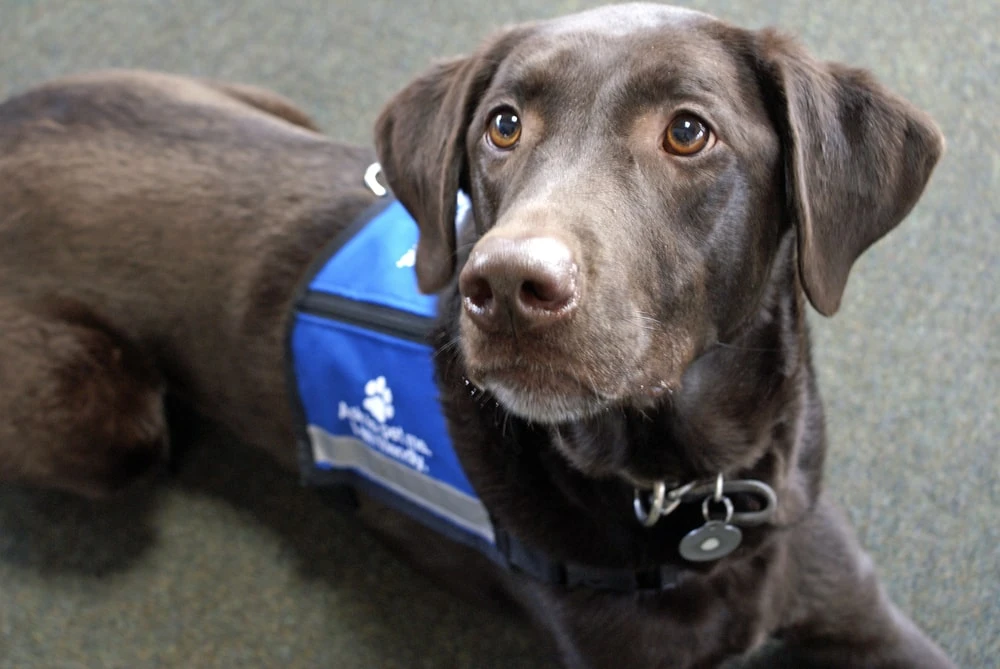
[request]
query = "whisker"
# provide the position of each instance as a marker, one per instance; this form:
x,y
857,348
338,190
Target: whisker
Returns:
x,y
447,347
647,322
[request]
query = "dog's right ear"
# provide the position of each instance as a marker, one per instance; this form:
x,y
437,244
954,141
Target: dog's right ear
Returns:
x,y
420,141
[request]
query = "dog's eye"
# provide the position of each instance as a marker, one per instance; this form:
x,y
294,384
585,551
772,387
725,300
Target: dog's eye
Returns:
x,y
504,129
686,135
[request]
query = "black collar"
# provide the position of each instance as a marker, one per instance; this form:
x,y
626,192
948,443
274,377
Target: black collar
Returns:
x,y
515,556
519,558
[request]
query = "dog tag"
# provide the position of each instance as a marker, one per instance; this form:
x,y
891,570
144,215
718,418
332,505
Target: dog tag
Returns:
x,y
713,540
716,538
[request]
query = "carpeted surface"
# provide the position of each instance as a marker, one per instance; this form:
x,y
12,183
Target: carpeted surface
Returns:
x,y
233,566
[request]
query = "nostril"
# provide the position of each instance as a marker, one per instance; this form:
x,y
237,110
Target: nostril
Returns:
x,y
532,291
550,294
478,292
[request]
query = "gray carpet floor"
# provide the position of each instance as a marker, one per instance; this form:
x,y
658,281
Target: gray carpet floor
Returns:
x,y
231,565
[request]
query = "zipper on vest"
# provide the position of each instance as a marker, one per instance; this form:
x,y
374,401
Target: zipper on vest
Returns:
x,y
386,320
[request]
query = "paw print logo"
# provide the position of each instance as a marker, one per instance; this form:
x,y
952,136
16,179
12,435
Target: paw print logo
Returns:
x,y
378,400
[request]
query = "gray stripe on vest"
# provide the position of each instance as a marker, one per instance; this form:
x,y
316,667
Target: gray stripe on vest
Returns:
x,y
452,504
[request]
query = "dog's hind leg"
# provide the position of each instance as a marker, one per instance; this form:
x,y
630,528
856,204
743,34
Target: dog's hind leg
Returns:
x,y
841,615
80,408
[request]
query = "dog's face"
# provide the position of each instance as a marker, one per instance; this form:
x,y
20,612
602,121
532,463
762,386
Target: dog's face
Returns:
x,y
636,155
633,171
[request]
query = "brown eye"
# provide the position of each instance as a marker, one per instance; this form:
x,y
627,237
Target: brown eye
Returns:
x,y
686,135
504,129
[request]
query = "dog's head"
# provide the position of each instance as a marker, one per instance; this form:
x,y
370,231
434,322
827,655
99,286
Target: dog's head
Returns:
x,y
633,171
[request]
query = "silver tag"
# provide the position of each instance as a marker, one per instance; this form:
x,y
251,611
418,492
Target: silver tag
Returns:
x,y
713,540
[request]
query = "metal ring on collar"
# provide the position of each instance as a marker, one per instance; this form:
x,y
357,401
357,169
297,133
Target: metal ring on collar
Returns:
x,y
649,518
726,502
663,502
749,486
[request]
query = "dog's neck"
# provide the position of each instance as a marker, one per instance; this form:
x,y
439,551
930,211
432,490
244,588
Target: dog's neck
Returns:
x,y
748,407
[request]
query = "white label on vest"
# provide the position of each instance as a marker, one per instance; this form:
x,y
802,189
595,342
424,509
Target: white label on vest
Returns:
x,y
371,424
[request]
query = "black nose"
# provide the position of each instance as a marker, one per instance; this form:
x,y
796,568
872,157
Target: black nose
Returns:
x,y
527,282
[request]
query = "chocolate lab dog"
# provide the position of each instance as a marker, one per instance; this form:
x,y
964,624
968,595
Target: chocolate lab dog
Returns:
x,y
656,195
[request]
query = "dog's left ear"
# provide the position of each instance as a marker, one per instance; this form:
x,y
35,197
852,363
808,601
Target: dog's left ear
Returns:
x,y
857,158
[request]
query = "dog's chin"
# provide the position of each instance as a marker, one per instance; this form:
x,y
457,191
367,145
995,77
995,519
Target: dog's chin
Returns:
x,y
565,400
544,406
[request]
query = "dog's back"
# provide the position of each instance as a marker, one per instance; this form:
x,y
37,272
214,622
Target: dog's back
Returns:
x,y
111,182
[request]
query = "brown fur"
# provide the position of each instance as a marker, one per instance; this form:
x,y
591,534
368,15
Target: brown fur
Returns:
x,y
153,229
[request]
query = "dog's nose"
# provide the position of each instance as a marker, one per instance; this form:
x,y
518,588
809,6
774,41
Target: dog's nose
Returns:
x,y
524,282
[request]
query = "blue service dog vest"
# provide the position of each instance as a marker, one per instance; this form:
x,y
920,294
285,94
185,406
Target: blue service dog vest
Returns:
x,y
364,376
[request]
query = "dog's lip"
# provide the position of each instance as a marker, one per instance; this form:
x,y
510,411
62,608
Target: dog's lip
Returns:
x,y
655,389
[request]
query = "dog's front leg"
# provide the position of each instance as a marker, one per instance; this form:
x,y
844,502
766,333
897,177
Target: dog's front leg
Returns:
x,y
841,616
80,408
690,628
